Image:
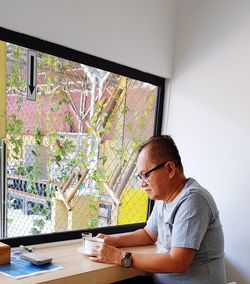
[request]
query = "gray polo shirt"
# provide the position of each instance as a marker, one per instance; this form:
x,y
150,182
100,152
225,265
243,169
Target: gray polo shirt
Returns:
x,y
191,220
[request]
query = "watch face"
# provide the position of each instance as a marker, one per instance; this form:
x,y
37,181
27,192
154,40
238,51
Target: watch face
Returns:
x,y
127,261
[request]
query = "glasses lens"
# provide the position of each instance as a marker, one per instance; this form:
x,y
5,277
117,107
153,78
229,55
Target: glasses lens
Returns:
x,y
145,177
142,177
139,177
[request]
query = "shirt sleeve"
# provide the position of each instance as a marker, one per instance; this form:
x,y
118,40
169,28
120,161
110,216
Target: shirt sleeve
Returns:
x,y
191,222
153,221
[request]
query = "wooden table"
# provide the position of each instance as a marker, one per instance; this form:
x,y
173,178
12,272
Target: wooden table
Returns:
x,y
77,268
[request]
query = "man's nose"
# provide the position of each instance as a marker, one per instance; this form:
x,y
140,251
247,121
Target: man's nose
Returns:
x,y
143,183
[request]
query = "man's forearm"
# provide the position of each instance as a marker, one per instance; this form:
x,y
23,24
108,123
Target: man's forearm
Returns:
x,y
177,261
155,263
136,238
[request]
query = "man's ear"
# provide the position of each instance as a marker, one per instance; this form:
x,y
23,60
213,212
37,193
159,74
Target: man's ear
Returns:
x,y
171,169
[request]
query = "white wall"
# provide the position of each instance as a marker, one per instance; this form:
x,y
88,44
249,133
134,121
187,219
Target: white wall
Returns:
x,y
136,33
210,113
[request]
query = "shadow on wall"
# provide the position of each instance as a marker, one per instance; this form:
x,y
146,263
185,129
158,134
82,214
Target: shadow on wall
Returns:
x,y
234,274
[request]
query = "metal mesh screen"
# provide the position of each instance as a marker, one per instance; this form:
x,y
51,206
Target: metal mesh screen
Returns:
x,y
71,153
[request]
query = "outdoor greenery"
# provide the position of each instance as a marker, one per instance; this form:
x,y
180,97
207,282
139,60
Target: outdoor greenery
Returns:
x,y
66,153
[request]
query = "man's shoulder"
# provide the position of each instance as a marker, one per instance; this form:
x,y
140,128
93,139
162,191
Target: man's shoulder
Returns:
x,y
194,191
193,188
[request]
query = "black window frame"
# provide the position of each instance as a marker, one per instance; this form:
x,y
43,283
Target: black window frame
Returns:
x,y
97,62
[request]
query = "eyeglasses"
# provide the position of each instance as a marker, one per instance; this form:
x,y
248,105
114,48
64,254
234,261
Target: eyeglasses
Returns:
x,y
146,175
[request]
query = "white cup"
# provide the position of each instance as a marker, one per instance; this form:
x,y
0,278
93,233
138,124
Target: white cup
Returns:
x,y
84,236
90,242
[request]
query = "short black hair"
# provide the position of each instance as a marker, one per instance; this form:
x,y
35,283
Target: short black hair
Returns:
x,y
163,148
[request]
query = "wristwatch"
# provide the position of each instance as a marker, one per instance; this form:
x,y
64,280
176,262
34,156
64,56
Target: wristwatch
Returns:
x,y
127,260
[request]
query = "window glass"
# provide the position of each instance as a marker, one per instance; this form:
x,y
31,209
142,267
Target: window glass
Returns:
x,y
71,151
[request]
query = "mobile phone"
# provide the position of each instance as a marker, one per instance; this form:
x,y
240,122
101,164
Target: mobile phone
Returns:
x,y
36,258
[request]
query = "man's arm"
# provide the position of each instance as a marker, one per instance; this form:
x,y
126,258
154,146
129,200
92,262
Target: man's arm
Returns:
x,y
139,237
177,261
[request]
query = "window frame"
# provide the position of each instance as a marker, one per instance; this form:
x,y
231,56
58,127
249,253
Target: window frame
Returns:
x,y
97,62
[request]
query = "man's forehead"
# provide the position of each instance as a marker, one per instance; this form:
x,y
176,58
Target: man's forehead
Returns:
x,y
149,152
151,155
145,153
144,159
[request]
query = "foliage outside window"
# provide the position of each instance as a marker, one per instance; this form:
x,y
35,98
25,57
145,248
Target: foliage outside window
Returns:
x,y
71,154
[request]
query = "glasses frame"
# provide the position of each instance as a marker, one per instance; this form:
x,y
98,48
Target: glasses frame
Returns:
x,y
145,177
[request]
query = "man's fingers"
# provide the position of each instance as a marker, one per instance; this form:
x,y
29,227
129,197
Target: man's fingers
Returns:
x,y
94,252
97,250
94,258
102,252
101,236
97,247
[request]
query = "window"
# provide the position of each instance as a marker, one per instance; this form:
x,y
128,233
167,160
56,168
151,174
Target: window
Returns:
x,y
69,153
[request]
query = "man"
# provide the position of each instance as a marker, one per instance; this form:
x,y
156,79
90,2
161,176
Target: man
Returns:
x,y
184,223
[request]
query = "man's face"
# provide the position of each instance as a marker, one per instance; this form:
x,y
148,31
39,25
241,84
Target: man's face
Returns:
x,y
157,185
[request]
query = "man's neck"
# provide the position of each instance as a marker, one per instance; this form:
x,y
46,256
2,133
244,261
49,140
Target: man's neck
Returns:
x,y
177,187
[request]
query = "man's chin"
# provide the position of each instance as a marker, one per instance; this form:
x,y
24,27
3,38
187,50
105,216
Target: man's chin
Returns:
x,y
151,196
154,197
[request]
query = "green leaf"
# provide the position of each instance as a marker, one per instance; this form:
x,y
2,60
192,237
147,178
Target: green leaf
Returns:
x,y
38,136
125,110
93,207
68,119
36,210
39,223
92,223
35,231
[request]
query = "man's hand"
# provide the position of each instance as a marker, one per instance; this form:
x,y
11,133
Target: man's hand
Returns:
x,y
139,237
110,240
103,252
